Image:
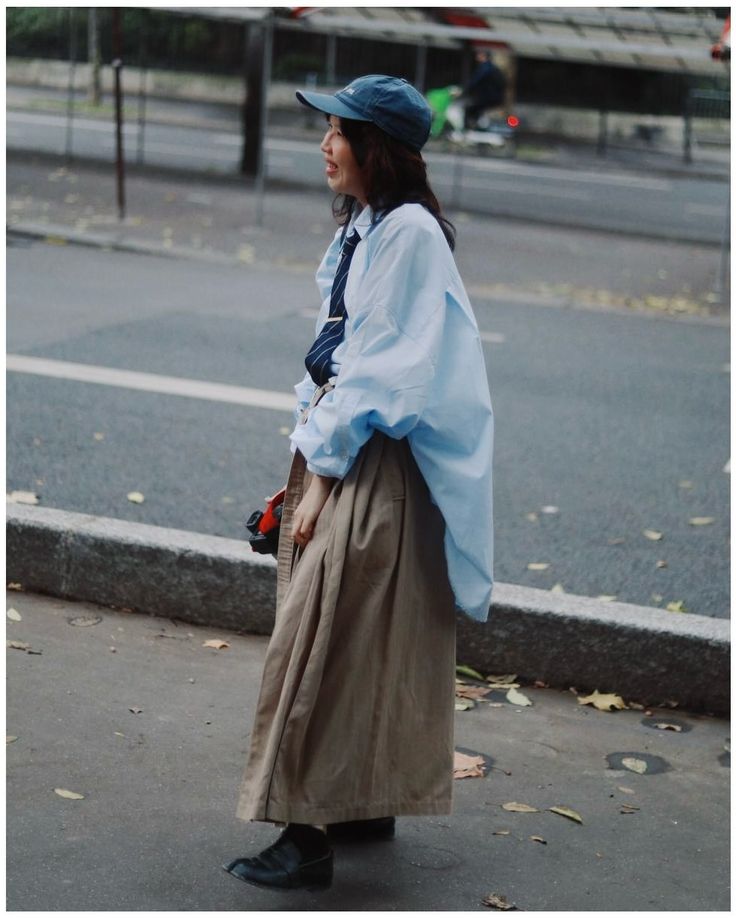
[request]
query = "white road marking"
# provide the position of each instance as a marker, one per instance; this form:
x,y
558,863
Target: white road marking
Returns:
x,y
152,382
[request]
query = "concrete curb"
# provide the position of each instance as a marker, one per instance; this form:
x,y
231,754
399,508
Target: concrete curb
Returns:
x,y
644,654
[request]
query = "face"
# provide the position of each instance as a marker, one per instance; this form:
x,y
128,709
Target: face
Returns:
x,y
341,168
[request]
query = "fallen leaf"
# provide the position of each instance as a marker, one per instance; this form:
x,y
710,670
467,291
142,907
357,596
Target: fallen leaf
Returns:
x,y
468,671
518,808
637,706
10,738
685,483
666,726
532,518
727,745
65,793
464,705
557,589
567,812
628,791
497,901
616,541
517,698
604,702
119,734
701,521
540,684
215,643
14,615
136,497
501,833
468,767
472,692
550,509
606,598
677,607
136,711
661,563
22,497
652,534
629,808
507,678
14,585
634,765
98,435
538,839
17,645
538,566
85,621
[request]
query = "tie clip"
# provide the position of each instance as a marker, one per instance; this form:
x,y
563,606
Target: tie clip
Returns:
x,y
333,319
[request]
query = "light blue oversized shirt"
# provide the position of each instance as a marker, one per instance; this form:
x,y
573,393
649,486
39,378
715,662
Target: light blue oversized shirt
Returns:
x,y
411,365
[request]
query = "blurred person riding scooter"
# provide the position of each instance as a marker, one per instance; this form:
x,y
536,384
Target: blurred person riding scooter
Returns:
x,y
486,89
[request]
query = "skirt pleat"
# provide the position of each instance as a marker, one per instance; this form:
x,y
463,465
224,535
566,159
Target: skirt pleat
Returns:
x,y
355,714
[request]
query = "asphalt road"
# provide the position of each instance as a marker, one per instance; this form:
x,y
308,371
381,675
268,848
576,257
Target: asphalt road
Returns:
x,y
602,416
657,206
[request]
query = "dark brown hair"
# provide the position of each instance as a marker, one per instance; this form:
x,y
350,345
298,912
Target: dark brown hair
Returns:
x,y
393,174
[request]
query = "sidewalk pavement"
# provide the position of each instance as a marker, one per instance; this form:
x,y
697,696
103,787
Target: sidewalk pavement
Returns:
x,y
214,219
151,726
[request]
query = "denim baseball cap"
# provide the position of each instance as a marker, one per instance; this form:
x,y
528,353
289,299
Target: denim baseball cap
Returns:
x,y
388,102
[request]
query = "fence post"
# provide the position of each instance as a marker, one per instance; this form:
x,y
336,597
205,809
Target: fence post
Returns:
x,y
70,88
687,151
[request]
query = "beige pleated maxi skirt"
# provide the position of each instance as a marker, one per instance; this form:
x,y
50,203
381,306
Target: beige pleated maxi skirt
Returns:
x,y
355,714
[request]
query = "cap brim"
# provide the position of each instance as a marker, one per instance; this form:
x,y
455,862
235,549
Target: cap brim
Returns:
x,y
330,105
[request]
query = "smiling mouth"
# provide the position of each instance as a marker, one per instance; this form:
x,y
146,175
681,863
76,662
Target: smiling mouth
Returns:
x,y
330,167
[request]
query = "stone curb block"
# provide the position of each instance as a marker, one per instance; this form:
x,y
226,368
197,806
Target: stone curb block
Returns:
x,y
644,654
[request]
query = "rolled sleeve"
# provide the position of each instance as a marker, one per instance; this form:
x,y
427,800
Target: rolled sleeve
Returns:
x,y
388,362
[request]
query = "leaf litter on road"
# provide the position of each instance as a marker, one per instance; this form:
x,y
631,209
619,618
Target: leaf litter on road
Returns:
x,y
517,807
497,901
71,795
468,767
566,812
22,497
468,671
518,698
215,643
604,702
654,535
14,615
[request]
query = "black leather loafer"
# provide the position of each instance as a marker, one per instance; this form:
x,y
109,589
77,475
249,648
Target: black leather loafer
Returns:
x,y
285,866
362,830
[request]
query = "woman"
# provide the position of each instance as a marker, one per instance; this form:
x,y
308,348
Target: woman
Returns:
x,y
386,525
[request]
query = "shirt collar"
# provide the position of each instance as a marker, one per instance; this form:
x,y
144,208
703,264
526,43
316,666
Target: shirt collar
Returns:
x,y
363,221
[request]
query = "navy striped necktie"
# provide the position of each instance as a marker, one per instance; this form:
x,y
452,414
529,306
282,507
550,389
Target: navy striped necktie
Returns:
x,y
319,358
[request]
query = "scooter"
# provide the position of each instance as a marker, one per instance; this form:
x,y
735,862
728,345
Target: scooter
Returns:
x,y
494,130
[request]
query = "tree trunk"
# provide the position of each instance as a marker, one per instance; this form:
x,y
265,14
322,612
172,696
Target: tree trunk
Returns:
x,y
252,106
94,93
